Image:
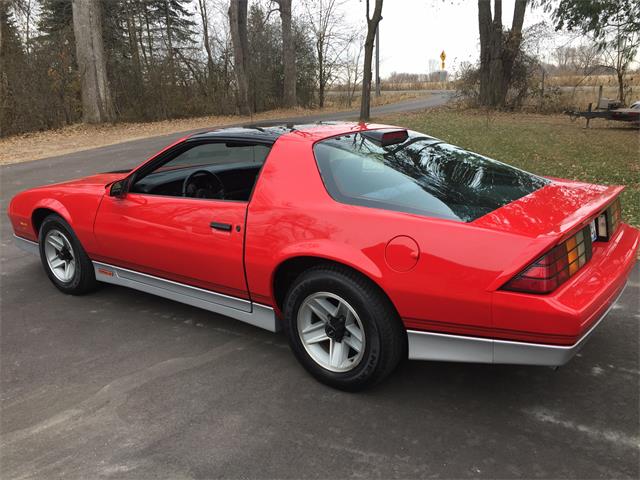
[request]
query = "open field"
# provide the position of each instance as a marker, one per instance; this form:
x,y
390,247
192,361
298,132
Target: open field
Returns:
x,y
568,98
549,145
632,79
591,80
387,85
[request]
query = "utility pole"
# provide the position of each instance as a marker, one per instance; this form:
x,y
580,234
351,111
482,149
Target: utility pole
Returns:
x,y
378,61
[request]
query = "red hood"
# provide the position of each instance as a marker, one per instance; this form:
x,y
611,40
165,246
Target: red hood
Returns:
x,y
553,210
93,183
100,179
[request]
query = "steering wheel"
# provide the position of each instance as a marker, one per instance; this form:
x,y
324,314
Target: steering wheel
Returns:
x,y
197,185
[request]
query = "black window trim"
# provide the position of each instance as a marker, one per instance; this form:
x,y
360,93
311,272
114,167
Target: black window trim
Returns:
x,y
191,142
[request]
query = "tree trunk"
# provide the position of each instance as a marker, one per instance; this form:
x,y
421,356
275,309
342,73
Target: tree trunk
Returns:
x,y
288,54
132,35
372,28
498,51
3,15
485,28
170,52
240,40
97,105
620,75
511,48
202,4
321,79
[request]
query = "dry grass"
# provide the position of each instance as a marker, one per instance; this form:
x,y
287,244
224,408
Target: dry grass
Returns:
x,y
577,92
339,99
591,80
560,99
394,86
75,138
581,98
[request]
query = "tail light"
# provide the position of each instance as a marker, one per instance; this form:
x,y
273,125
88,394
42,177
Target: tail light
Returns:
x,y
555,267
608,222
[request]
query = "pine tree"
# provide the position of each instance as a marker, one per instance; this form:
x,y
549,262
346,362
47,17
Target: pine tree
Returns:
x,y
56,54
12,63
177,30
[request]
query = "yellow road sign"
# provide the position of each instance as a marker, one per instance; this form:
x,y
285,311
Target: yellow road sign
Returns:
x,y
443,56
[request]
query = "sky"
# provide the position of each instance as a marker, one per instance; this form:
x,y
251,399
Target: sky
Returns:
x,y
414,31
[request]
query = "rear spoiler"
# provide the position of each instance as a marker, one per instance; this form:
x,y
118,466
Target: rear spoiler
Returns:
x,y
581,217
554,211
541,227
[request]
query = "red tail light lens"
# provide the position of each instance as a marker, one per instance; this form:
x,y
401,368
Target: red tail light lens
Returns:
x,y
555,267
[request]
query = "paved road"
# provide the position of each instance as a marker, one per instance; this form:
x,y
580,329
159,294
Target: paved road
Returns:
x,y
123,384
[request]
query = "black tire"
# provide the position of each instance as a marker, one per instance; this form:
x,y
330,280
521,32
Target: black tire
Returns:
x,y
385,344
84,278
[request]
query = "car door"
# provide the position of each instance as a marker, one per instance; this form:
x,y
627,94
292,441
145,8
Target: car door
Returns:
x,y
155,230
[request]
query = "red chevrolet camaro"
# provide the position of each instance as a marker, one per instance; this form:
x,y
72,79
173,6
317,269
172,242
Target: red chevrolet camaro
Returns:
x,y
365,243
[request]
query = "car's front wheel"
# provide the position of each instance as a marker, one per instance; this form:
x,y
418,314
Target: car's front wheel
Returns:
x,y
63,258
342,329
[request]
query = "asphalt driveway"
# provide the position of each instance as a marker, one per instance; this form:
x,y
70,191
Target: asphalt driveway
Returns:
x,y
123,384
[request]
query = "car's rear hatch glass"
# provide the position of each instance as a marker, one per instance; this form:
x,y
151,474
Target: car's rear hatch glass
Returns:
x,y
421,175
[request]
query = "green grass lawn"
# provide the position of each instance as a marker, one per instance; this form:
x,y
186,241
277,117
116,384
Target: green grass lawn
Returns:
x,y
608,153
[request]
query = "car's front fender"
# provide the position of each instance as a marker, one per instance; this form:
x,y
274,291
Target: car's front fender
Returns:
x,y
77,207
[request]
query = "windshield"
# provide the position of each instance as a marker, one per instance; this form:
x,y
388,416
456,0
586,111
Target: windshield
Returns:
x,y
422,175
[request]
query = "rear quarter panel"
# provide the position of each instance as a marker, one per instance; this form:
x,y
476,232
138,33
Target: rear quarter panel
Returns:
x,y
291,214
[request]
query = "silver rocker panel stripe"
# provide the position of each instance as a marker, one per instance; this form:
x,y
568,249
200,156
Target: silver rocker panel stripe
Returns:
x,y
249,312
458,348
26,245
422,345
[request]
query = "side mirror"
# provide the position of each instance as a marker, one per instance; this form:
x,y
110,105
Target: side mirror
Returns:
x,y
118,189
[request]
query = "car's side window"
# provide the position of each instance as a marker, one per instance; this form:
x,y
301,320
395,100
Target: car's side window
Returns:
x,y
212,154
215,170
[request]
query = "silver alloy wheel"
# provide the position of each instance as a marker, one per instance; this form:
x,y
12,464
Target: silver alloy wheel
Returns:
x,y
59,254
331,332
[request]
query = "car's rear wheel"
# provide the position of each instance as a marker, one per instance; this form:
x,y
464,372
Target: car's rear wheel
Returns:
x,y
342,328
63,258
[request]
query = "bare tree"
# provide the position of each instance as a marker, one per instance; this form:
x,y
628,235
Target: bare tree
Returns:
x,y
97,105
618,51
206,40
159,63
288,53
372,28
587,58
26,12
332,39
613,24
352,68
565,58
498,50
240,41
